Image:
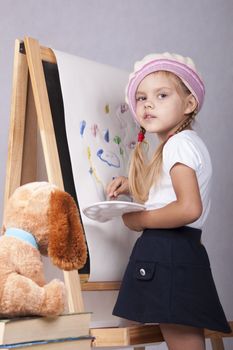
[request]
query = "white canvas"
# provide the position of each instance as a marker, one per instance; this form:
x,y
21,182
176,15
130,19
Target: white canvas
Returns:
x,y
101,135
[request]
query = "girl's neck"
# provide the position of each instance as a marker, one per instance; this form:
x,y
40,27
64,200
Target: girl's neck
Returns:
x,y
164,137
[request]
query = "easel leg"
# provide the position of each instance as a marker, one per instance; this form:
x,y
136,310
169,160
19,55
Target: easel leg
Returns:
x,y
17,123
29,161
52,162
217,343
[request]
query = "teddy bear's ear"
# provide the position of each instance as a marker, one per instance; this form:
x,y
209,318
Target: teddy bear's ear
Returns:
x,y
67,247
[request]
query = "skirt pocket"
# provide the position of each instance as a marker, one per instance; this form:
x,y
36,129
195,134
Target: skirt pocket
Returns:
x,y
144,270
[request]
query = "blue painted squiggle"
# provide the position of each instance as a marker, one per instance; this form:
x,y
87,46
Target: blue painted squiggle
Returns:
x,y
109,157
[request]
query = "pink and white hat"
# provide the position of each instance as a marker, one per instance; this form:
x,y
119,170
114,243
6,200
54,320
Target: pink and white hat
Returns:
x,y
183,67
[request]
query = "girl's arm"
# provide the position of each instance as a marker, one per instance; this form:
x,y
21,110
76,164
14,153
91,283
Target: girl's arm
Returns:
x,y
185,209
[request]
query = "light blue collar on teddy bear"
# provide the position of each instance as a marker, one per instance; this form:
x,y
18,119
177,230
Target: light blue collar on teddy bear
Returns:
x,y
23,235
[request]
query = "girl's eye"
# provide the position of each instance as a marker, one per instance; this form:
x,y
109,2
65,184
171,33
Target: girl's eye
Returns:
x,y
162,96
140,98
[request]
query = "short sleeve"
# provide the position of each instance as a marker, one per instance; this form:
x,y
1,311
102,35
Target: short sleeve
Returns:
x,y
180,150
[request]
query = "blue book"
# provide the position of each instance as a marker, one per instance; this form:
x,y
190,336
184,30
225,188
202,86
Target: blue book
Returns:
x,y
29,329
72,343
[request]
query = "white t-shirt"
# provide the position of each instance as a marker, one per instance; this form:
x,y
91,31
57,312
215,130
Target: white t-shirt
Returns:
x,y
187,148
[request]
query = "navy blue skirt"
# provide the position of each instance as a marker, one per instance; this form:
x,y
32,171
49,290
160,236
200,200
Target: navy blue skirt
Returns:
x,y
168,280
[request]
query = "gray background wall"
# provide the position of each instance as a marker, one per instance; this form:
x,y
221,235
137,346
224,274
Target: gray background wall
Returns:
x,y
118,32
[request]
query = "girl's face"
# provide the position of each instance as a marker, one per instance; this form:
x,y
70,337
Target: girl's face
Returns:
x,y
160,108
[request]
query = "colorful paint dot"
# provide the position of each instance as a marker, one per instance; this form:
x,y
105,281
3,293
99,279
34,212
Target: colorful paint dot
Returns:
x,y
117,140
106,135
94,129
132,145
82,127
88,153
107,109
124,107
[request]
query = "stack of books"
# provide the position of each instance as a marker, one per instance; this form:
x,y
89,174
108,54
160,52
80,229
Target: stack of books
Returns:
x,y
65,332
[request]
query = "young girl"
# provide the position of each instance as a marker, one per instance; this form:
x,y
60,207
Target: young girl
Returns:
x,y
168,279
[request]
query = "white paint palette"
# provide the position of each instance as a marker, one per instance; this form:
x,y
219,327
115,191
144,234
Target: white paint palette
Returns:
x,y
107,210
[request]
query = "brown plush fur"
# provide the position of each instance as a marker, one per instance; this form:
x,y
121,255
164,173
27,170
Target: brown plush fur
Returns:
x,y
67,247
51,216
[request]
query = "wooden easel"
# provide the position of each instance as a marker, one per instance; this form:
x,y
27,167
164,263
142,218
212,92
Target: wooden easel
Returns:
x,y
30,105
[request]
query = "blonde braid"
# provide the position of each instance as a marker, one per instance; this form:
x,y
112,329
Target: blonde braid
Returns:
x,y
186,123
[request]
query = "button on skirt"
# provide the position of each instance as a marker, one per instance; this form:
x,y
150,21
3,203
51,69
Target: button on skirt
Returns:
x,y
168,280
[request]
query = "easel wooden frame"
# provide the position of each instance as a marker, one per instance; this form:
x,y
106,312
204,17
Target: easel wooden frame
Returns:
x,y
30,105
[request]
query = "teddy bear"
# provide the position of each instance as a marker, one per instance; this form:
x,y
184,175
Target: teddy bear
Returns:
x,y
39,219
